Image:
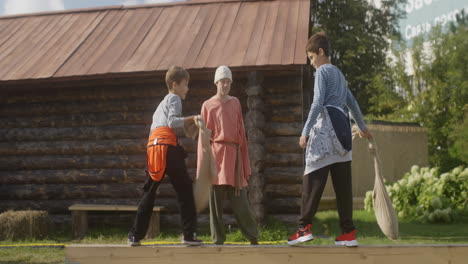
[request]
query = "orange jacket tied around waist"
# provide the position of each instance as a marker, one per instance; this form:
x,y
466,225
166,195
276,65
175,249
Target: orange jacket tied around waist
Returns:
x,y
156,151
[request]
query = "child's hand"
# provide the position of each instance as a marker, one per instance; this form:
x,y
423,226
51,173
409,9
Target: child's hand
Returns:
x,y
366,133
303,142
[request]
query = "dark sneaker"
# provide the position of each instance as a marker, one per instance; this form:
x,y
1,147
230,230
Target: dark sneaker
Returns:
x,y
302,234
132,241
347,239
191,240
253,241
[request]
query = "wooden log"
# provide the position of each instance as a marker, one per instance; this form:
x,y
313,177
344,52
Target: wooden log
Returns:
x,y
283,129
288,205
255,135
124,105
77,119
283,145
254,119
148,105
286,114
72,162
190,145
256,154
290,99
88,147
284,160
54,206
80,191
283,190
77,176
57,162
255,102
279,175
75,133
286,218
283,85
105,90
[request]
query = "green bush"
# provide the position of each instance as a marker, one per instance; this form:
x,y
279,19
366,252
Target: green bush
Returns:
x,y
428,196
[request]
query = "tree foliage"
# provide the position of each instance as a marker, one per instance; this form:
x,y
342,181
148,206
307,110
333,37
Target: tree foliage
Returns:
x,y
359,34
438,97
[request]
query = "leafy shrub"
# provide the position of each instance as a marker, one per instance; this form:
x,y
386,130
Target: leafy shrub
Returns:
x,y
428,196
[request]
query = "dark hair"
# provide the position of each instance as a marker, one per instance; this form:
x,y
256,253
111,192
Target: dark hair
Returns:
x,y
318,41
176,74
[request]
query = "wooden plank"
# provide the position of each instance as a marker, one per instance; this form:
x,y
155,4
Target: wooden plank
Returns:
x,y
154,39
75,133
200,41
154,227
8,33
212,37
184,44
268,35
19,37
382,254
42,58
302,32
76,63
119,39
79,224
67,44
76,176
164,57
109,147
77,119
4,24
280,33
109,207
289,45
73,162
31,48
99,52
222,39
140,35
253,48
241,33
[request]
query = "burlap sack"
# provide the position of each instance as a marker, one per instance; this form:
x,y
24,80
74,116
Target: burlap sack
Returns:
x,y
384,212
207,169
383,208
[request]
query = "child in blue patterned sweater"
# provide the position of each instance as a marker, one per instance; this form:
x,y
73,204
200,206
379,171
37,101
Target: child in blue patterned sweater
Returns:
x,y
327,139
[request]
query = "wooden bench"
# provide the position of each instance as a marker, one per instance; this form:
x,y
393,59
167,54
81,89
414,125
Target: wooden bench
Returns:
x,y
80,217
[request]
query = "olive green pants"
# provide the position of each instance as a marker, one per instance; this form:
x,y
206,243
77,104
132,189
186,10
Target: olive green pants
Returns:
x,y
241,208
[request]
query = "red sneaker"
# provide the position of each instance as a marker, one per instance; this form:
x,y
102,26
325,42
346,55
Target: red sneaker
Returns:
x,y
302,234
347,239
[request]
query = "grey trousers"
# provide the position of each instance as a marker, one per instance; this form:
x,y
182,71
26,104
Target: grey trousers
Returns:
x,y
242,212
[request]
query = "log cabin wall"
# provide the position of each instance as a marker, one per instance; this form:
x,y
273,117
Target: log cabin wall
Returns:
x,y
83,142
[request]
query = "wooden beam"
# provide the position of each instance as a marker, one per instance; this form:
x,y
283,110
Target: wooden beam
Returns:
x,y
382,254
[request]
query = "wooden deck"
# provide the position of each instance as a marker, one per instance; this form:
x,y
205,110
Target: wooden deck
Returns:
x,y
381,254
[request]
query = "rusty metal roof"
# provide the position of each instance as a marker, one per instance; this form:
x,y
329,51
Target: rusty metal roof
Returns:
x,y
196,34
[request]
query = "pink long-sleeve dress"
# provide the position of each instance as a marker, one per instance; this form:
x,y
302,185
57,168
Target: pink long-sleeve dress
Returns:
x,y
225,121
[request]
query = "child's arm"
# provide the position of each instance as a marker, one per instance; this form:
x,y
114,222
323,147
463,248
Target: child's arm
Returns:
x,y
317,105
174,111
357,114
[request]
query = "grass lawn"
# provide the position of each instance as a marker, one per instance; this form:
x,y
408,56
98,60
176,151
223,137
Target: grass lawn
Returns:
x,y
325,229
